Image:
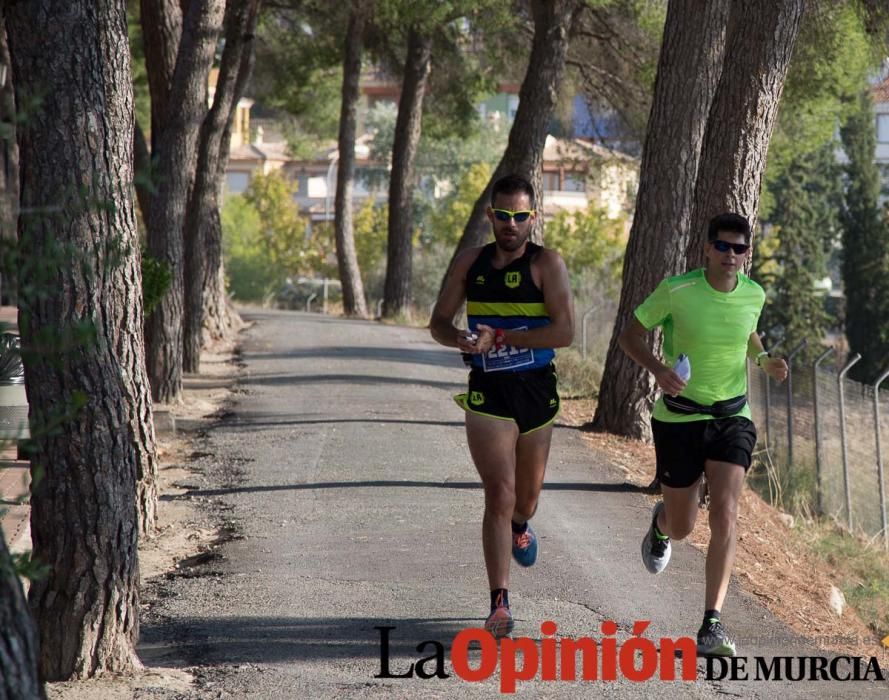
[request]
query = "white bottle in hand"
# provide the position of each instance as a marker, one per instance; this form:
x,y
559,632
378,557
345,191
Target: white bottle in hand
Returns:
x,y
683,367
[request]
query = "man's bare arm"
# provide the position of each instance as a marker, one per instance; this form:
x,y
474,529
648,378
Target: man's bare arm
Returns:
x,y
556,287
633,341
452,296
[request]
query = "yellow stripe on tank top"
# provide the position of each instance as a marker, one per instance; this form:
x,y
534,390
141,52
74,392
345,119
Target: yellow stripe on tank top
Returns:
x,y
490,308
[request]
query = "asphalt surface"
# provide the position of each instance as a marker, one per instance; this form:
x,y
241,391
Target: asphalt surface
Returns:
x,y
344,473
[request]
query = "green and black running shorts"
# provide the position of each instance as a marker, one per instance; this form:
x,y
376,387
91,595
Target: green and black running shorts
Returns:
x,y
530,399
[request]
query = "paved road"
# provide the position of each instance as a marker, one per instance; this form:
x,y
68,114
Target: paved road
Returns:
x,y
344,468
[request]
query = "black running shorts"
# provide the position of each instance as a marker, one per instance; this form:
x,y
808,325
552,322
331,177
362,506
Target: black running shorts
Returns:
x,y
529,398
682,448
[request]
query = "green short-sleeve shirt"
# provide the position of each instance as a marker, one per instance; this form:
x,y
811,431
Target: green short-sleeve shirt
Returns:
x,y
712,328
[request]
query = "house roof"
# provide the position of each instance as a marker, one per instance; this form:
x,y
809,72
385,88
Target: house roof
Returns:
x,y
558,150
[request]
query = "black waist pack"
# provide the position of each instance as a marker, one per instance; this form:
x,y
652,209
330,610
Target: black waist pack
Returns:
x,y
720,409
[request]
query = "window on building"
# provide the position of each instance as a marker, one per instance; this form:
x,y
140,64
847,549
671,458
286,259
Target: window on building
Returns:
x,y
236,182
512,106
883,128
573,183
551,182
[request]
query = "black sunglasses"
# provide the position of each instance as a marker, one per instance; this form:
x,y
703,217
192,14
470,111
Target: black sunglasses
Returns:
x,y
725,246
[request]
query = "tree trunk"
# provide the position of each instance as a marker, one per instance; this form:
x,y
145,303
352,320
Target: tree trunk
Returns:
x,y
91,422
141,170
759,44
688,71
397,290
354,303
9,170
18,637
161,35
537,100
203,252
176,163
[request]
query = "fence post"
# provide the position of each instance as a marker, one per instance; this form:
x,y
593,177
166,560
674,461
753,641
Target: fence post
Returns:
x,y
583,336
790,357
819,506
840,377
880,458
768,398
324,303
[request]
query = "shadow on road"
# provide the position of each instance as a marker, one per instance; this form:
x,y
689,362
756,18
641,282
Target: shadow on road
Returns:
x,y
408,355
268,640
352,379
381,483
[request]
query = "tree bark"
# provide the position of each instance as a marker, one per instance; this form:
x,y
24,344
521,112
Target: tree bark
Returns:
x,y
141,170
203,245
537,100
689,66
759,44
81,237
9,169
354,303
18,637
176,163
399,255
161,35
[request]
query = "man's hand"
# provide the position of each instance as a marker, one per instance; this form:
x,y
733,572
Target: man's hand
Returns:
x,y
467,341
485,338
670,382
775,367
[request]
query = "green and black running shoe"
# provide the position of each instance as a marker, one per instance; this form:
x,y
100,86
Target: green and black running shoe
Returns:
x,y
713,640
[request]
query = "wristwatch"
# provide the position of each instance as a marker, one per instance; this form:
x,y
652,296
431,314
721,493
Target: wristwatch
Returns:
x,y
760,356
499,338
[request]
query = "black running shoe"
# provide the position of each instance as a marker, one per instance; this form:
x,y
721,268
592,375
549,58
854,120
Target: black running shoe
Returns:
x,y
713,640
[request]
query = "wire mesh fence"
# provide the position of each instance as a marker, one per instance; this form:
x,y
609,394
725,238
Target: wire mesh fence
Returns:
x,y
822,440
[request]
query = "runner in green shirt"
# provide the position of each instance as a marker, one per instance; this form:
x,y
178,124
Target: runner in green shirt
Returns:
x,y
702,426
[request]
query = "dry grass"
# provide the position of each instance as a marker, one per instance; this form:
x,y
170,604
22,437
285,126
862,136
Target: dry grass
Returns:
x,y
789,565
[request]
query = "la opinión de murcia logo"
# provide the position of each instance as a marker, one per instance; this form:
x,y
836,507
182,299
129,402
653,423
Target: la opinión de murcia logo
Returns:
x,y
550,658
637,659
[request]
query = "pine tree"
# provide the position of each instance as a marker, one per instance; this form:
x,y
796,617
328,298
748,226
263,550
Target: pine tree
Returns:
x,y
804,218
865,247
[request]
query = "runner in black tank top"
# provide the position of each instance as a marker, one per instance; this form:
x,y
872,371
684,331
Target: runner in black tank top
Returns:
x,y
519,308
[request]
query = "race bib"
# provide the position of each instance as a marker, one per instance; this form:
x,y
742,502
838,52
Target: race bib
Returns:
x,y
507,357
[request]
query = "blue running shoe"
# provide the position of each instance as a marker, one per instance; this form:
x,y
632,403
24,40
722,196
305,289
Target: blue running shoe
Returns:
x,y
500,622
524,547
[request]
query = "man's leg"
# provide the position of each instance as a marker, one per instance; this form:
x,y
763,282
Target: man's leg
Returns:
x,y
677,518
532,451
492,443
726,481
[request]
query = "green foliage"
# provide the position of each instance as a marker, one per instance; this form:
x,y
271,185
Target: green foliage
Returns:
x,y
804,228
439,158
579,377
282,230
864,568
265,240
370,226
831,61
447,219
865,246
156,279
298,65
249,276
589,240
